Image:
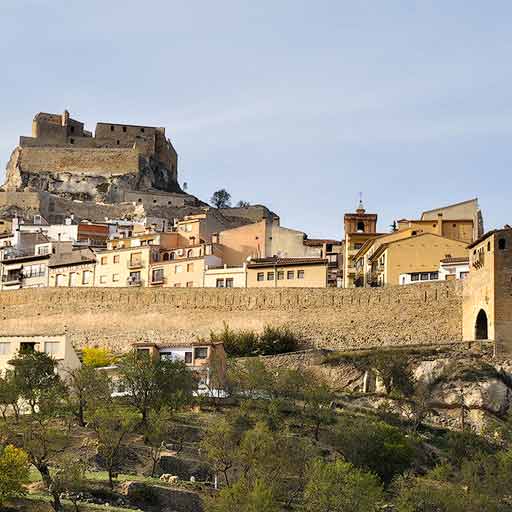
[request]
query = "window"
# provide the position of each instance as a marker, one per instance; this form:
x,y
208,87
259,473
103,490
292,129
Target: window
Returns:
x,y
190,267
434,276
118,143
200,353
463,275
178,269
158,275
488,246
124,129
115,278
290,274
280,275
116,258
51,347
424,276
5,348
72,129
415,277
73,279
190,284
86,277
414,233
502,244
136,259
135,276
360,227
142,130
111,128
177,285
270,276
72,141
230,282
260,276
104,260
219,283
300,274
188,357
358,245
103,279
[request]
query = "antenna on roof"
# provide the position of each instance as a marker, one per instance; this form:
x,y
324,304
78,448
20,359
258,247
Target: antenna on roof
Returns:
x,y
360,206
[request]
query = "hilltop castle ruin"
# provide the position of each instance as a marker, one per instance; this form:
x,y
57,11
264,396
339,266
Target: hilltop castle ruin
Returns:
x,y
63,158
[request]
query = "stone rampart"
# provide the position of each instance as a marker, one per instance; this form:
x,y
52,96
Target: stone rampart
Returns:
x,y
326,318
85,161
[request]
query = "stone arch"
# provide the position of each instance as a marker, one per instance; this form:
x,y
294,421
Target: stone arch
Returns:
x,y
481,326
360,227
166,256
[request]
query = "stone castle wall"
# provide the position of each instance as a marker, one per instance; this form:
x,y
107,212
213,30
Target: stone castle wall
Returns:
x,y
84,161
325,318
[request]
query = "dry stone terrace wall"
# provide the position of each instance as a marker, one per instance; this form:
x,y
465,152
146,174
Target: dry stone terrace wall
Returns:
x,y
326,318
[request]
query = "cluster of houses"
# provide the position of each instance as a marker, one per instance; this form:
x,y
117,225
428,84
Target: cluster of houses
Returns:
x,y
219,249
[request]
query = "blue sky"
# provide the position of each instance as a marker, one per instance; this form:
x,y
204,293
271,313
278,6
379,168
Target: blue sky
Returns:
x,y
296,105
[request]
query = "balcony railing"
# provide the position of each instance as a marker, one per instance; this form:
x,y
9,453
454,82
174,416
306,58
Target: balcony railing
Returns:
x,y
135,264
157,280
134,282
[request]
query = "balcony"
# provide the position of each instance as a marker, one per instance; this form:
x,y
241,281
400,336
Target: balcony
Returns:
x,y
133,264
11,279
157,280
134,282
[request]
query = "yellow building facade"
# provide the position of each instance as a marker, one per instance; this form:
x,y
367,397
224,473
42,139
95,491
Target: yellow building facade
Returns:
x,y
287,273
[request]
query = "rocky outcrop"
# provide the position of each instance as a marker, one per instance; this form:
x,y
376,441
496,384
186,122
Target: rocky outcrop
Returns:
x,y
86,175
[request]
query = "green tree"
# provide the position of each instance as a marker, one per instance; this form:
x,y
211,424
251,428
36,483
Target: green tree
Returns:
x,y
112,425
43,439
69,478
35,373
158,430
246,497
87,388
14,472
374,446
221,199
340,487
9,395
220,447
151,384
318,400
423,495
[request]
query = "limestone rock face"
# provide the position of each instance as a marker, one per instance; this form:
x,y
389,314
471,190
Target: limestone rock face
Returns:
x,y
90,183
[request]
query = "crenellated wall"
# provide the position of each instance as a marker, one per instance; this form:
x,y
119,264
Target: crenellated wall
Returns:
x,y
327,318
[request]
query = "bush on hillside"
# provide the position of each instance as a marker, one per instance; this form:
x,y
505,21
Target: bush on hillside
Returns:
x,y
97,357
247,343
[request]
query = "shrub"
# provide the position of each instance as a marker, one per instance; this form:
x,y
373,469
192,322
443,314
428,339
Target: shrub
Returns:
x,y
375,446
97,357
236,343
247,343
14,472
340,486
277,340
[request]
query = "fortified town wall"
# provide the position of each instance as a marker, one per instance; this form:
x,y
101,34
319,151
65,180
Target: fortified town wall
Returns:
x,y
327,318
99,161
